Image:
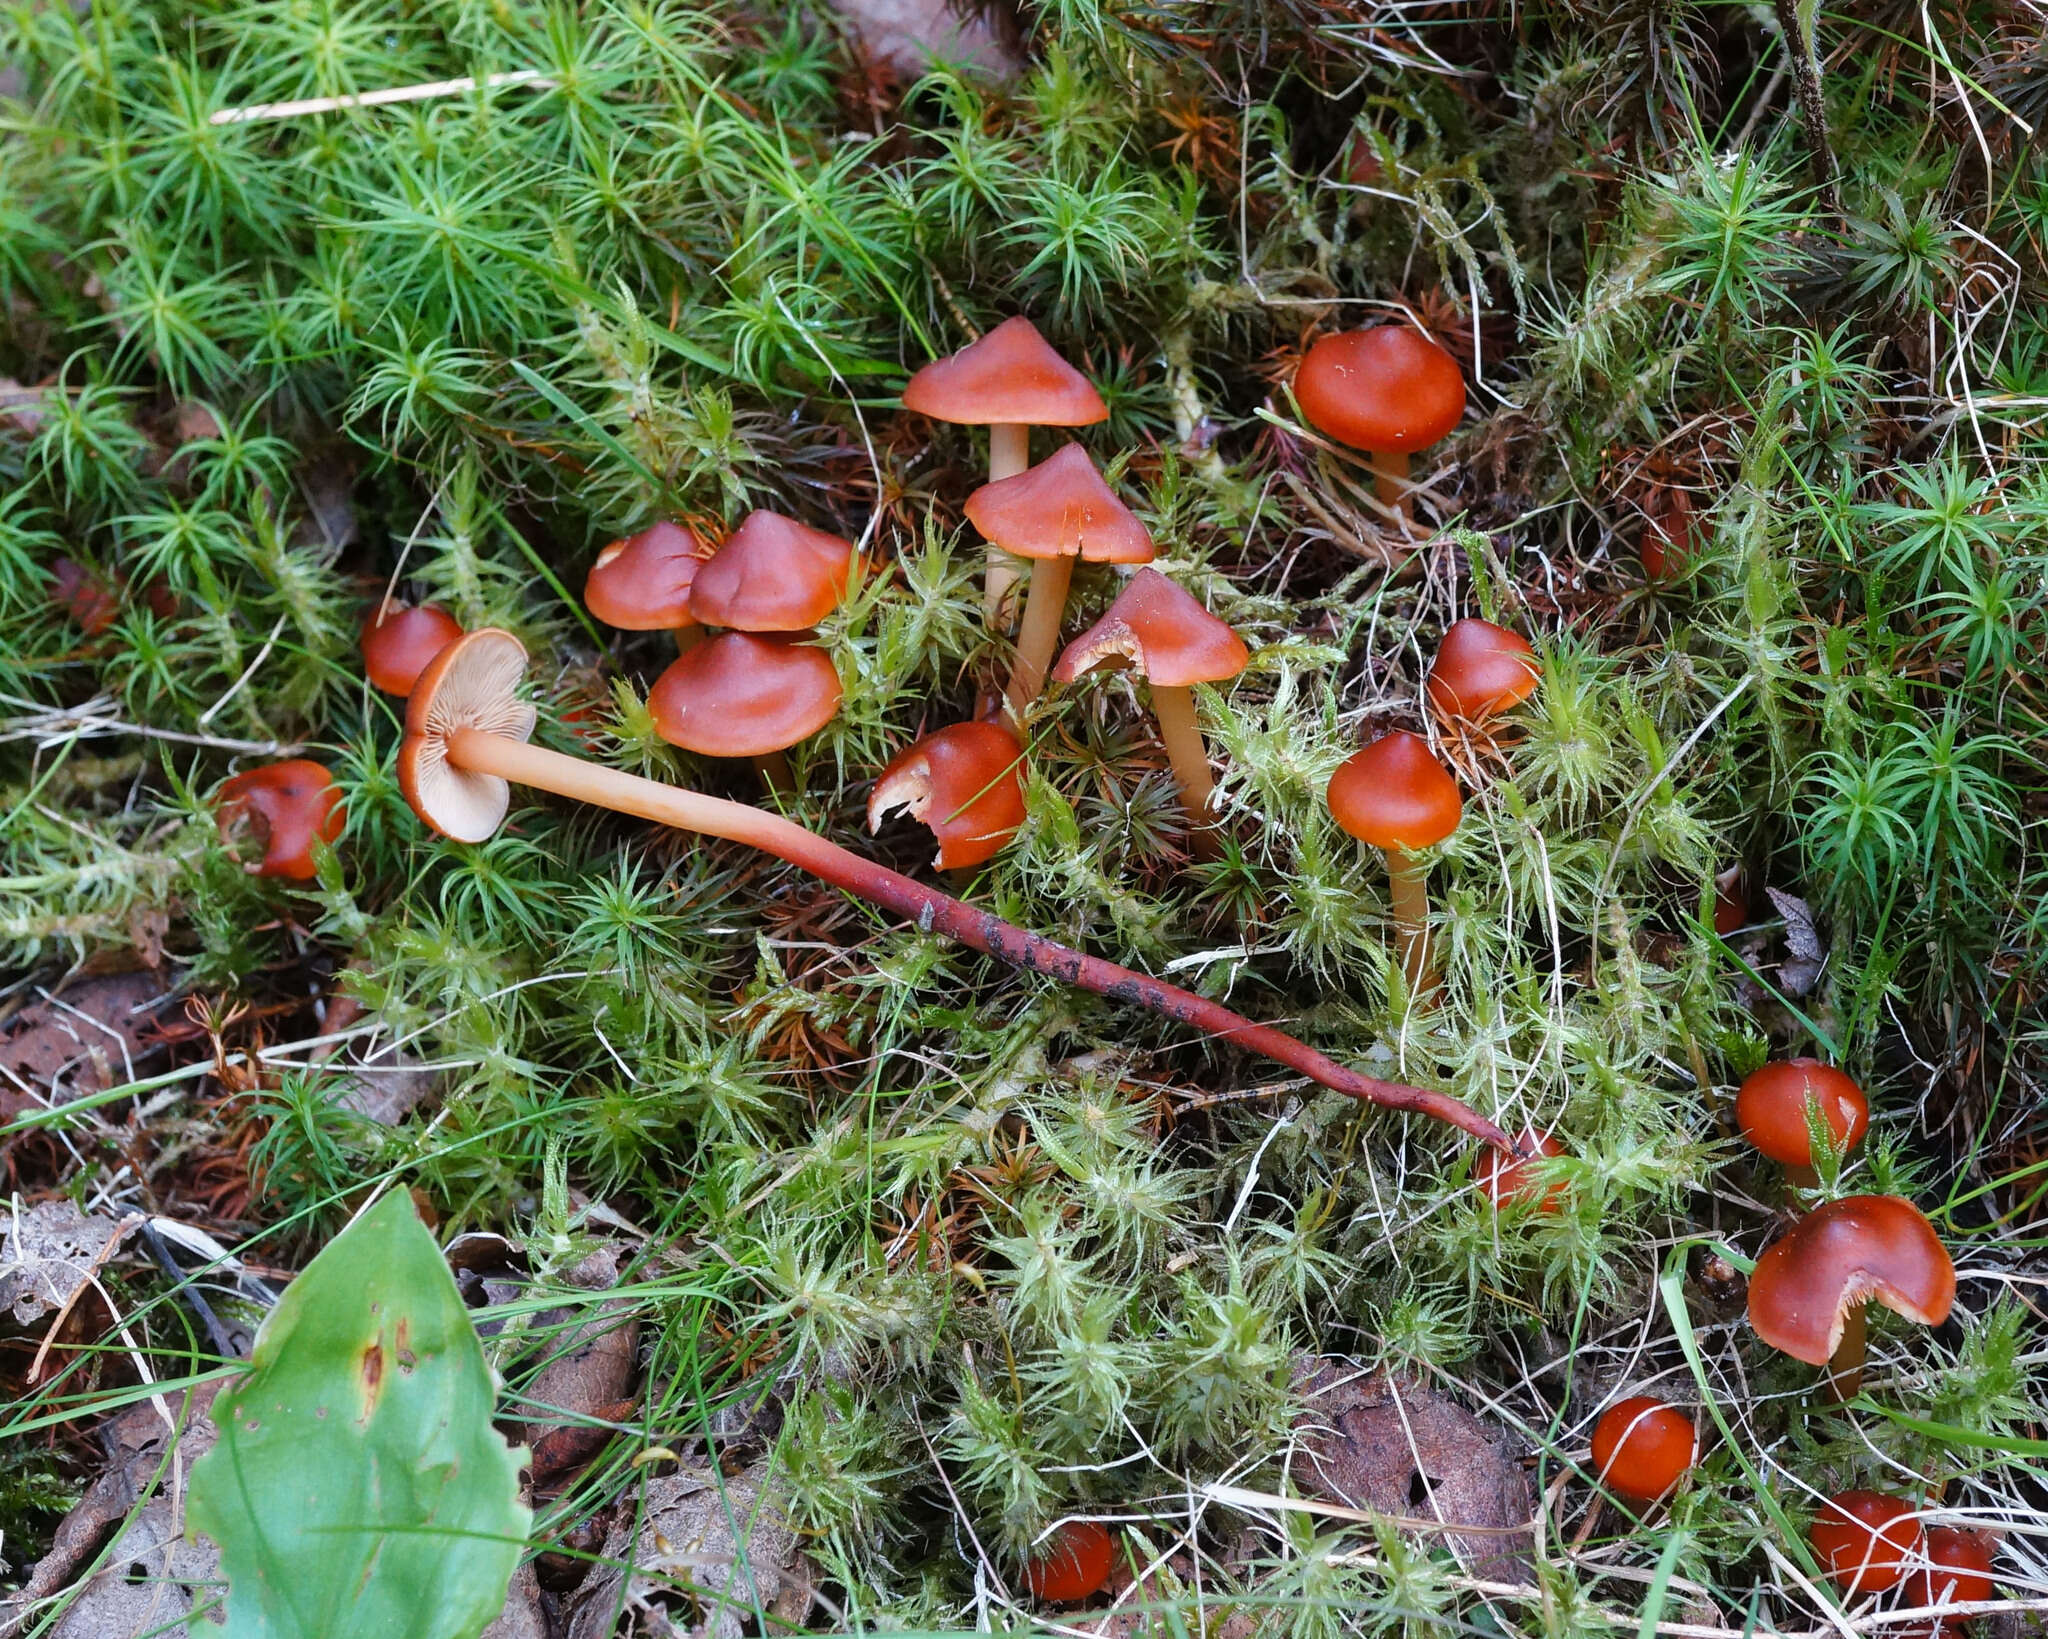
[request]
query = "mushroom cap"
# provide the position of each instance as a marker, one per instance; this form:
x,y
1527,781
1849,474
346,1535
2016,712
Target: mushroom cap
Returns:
x,y
292,805
1161,630
84,596
1771,1106
1395,794
398,642
965,782
642,583
1508,1180
1857,1249
1073,1564
1958,1571
1480,670
1866,1540
1010,376
473,683
745,694
1060,508
772,575
1642,1447
1389,388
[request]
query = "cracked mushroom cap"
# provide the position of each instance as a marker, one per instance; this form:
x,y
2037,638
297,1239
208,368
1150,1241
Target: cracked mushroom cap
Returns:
x,y
1395,794
1480,670
642,583
1060,508
1389,388
745,694
473,684
964,782
1771,1109
1861,1248
772,575
1010,376
1160,630
1642,1447
398,642
291,806
1867,1540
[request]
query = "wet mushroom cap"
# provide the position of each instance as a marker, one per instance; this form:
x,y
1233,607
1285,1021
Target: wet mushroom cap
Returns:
x,y
1395,794
745,694
1160,630
398,642
772,575
1866,1541
964,782
1958,1571
473,683
1771,1109
642,583
1060,508
292,805
1480,670
1072,1564
1642,1447
1861,1248
1389,388
1010,376
1507,1180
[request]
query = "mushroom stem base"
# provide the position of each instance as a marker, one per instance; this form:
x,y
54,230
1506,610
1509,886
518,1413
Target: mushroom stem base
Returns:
x,y
1040,634
1845,1365
1408,881
1182,737
1009,453
934,912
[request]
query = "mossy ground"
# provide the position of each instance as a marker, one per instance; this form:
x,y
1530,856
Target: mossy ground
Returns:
x,y
1000,1252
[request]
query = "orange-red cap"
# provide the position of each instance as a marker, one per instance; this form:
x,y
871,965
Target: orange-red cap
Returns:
x,y
1508,1180
1010,376
1480,670
1861,1248
398,642
1395,794
1642,1447
744,694
965,782
82,595
1060,508
642,583
292,805
1073,1563
772,575
1389,388
1771,1106
1162,631
1866,1540
1958,1572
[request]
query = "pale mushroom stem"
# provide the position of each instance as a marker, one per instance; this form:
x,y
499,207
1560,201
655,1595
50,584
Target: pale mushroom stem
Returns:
x,y
934,912
1845,1365
1009,453
773,768
1408,880
1040,634
1390,481
1182,737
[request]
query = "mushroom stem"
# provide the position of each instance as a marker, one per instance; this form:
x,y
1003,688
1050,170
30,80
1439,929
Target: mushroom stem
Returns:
x,y
1009,453
935,912
1408,880
1040,633
1182,737
1801,1177
773,768
1390,480
1845,1365
688,637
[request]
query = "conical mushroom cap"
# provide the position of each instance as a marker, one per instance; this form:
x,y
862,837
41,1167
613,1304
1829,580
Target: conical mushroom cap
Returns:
x,y
1861,1248
1480,670
1011,375
1159,629
744,694
965,782
398,642
1390,388
772,575
1060,508
642,583
1771,1105
1395,794
292,806
473,683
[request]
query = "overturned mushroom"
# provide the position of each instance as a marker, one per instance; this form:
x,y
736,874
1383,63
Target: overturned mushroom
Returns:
x,y
746,694
1388,391
398,641
1395,796
291,805
964,782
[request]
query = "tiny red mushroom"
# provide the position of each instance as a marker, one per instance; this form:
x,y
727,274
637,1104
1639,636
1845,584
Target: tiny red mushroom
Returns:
x,y
1642,1447
1774,1108
1867,1541
1480,671
290,806
1395,796
1957,1572
1514,1181
746,694
1388,391
1667,532
84,596
1072,1564
773,574
398,641
964,782
642,583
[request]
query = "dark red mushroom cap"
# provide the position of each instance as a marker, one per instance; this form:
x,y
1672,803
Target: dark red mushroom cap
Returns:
x,y
1958,1572
291,806
642,583
744,694
1866,1541
1060,508
81,594
1771,1106
965,782
1395,794
1389,388
772,575
1072,1564
1480,670
1642,1447
1507,1180
1010,376
1161,630
398,642
1861,1248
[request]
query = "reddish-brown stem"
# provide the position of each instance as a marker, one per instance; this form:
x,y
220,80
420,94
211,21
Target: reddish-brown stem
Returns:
x,y
773,768
935,912
1408,880
1390,481
1845,1365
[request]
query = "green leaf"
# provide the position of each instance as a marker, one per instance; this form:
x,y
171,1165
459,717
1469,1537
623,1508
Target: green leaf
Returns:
x,y
359,1487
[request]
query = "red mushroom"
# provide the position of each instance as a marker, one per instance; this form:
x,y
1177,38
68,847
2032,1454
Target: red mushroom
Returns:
x,y
1866,1541
773,574
81,594
1072,1565
1776,1105
1511,1181
1395,796
1480,671
398,641
290,806
746,694
1957,1572
1388,391
642,583
1642,1447
964,782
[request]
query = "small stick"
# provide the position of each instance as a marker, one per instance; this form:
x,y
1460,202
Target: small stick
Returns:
x,y
376,99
